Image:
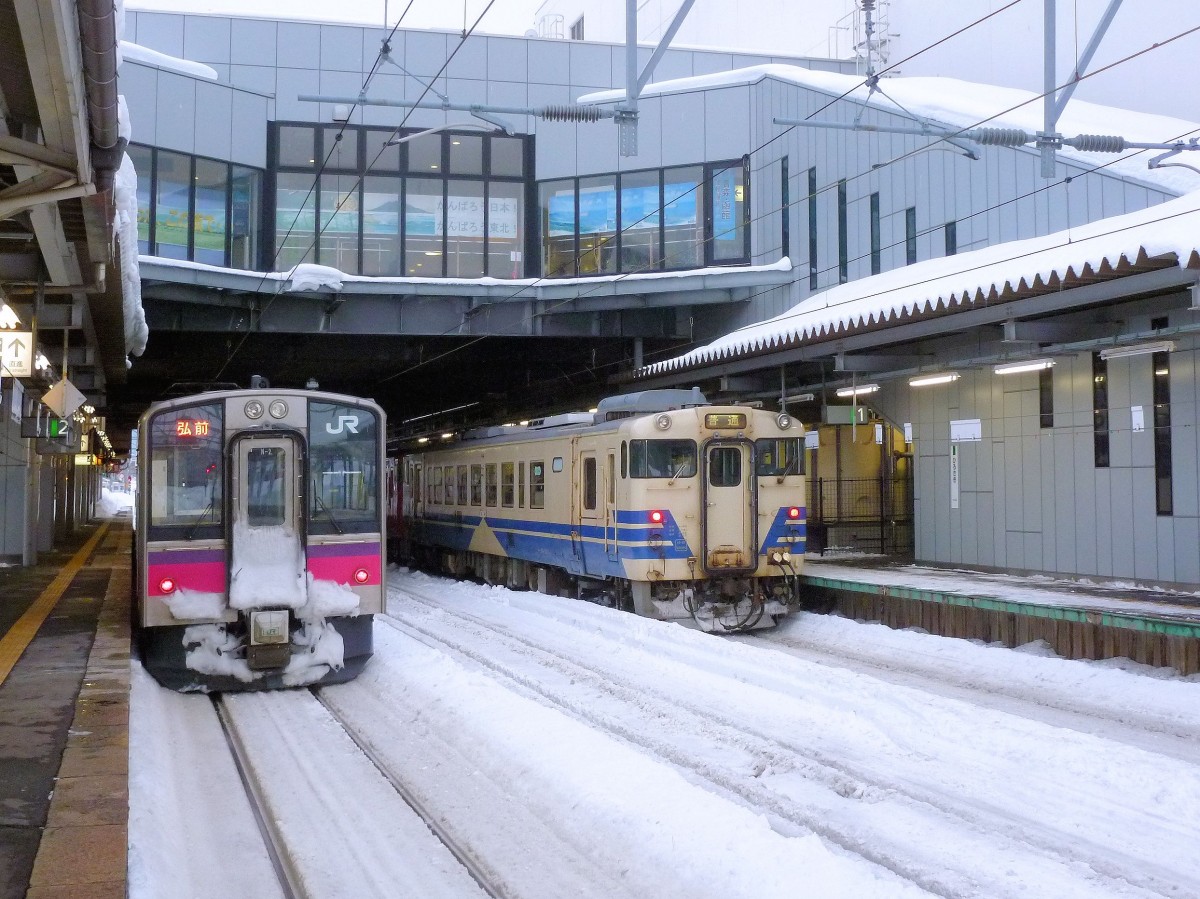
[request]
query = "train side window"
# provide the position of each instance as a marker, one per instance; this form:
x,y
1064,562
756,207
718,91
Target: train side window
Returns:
x,y
450,491
624,459
506,484
521,485
725,466
778,456
476,485
662,458
463,496
556,464
490,485
589,483
537,485
435,485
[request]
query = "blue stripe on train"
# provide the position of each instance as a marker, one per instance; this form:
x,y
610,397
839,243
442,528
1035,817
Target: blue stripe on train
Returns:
x,y
588,549
786,533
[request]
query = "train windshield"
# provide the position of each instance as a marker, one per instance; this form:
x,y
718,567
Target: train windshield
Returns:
x,y
662,458
778,456
185,466
343,469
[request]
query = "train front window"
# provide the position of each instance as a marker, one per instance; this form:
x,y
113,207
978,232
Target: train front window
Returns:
x,y
343,467
662,458
187,468
778,456
725,466
265,470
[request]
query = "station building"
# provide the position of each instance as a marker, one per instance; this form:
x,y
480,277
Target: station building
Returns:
x,y
760,186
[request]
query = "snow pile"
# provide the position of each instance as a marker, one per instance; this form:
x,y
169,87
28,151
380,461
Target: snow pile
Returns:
x,y
327,598
189,605
268,568
113,503
211,649
308,276
326,651
966,278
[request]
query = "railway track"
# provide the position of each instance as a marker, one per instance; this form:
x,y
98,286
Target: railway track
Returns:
x,y
330,811
825,792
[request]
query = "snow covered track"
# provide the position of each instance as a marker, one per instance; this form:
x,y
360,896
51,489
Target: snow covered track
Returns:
x,y
937,791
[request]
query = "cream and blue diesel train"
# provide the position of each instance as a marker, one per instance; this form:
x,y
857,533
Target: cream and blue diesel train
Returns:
x,y
659,502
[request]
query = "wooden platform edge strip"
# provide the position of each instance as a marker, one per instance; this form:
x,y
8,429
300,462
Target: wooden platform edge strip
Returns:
x,y
17,640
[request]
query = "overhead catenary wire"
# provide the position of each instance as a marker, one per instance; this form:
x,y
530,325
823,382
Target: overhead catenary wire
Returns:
x,y
608,280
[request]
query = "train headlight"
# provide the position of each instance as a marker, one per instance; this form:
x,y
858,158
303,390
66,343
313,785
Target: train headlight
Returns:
x,y
784,421
254,409
278,409
166,585
361,575
662,421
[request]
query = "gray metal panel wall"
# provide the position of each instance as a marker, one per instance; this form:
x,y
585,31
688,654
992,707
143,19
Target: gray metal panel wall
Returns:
x,y
1031,498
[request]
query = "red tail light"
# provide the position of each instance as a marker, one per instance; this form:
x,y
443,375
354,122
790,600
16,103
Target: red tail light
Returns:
x,y
794,513
361,575
166,585
656,517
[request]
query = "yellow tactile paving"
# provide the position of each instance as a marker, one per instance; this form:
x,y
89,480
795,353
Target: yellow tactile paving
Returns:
x,y
15,642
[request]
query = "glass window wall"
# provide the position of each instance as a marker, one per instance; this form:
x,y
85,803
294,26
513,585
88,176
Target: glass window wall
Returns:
x,y
295,220
597,225
728,215
190,207
391,210
212,193
172,205
683,226
557,205
641,221
339,222
465,214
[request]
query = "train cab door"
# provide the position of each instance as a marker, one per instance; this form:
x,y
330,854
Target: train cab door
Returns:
x,y
730,507
267,551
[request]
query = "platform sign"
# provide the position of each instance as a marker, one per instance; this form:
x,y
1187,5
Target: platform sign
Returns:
x,y
953,476
64,398
16,353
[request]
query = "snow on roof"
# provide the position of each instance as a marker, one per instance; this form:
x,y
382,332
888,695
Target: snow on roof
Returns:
x,y
146,56
965,279
966,104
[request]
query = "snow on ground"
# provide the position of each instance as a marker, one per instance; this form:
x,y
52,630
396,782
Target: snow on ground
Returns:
x,y
581,751
113,503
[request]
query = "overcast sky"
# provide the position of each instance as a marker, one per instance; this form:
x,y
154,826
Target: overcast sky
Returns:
x,y
505,16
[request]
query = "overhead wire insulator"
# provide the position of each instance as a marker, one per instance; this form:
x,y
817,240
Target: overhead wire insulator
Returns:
x,y
999,137
570,113
1097,143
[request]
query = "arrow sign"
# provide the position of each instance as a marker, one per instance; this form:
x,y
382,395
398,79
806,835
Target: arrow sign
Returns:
x,y
16,353
63,399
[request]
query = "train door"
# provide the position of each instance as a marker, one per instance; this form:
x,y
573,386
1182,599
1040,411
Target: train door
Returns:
x,y
268,559
610,505
730,507
591,509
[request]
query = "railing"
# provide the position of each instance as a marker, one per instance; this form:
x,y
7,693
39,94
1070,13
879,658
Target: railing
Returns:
x,y
864,514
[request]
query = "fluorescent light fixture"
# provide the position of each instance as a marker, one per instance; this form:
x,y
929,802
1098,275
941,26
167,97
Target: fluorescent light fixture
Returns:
x,y
800,398
857,391
1137,349
1017,368
929,380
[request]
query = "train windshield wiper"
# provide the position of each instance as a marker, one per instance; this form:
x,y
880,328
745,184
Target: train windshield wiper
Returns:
x,y
789,468
191,535
329,512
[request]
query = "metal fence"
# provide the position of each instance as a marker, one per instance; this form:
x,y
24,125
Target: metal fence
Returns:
x,y
862,514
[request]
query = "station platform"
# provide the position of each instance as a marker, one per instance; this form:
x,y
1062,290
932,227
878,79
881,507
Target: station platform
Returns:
x,y
64,718
64,678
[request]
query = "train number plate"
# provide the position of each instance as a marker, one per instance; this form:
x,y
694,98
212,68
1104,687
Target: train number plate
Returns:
x,y
268,626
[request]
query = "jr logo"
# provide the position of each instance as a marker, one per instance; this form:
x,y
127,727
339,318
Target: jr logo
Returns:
x,y
344,423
